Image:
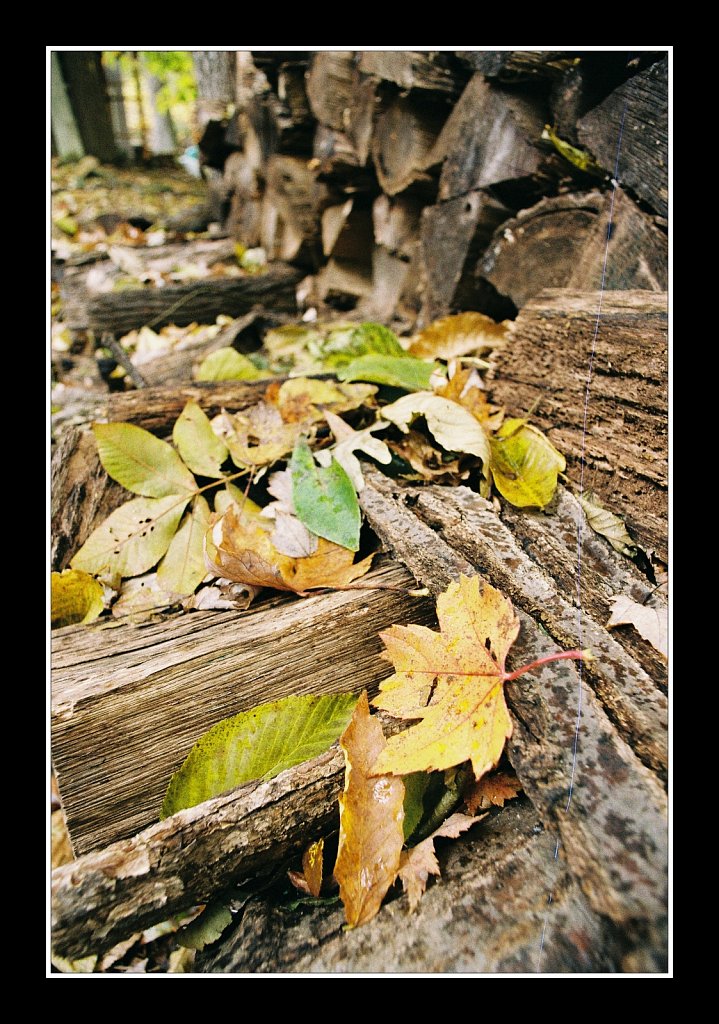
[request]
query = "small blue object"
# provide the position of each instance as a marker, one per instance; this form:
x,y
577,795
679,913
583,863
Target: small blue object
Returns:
x,y
190,160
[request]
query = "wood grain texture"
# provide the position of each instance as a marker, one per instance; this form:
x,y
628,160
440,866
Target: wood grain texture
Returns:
x,y
128,702
413,69
403,142
629,136
561,243
626,444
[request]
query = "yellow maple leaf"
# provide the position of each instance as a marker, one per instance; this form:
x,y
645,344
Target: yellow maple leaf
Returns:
x,y
238,547
453,682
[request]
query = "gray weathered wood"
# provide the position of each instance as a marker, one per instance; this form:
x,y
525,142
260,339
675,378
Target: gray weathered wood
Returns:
x,y
404,140
413,69
128,702
631,126
626,443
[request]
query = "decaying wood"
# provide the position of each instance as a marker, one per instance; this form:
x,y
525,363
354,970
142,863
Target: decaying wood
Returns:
x,y
403,142
518,65
625,446
291,212
490,138
129,702
631,125
587,782
182,304
157,408
454,234
561,243
330,85
81,494
505,905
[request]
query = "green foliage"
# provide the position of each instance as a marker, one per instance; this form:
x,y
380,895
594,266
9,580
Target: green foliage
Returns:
x,y
324,498
404,371
257,744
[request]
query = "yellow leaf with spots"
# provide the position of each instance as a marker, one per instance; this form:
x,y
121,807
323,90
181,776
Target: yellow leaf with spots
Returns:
x,y
75,597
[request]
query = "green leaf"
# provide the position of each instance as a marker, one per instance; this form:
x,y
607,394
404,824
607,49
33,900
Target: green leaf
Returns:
x,y
227,364
525,464
207,927
257,744
133,538
183,567
396,371
453,426
142,462
324,498
415,787
200,447
68,225
343,344
74,597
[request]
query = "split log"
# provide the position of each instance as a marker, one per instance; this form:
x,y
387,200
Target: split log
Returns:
x,y
292,207
625,447
561,243
490,138
396,223
347,231
519,65
389,282
128,705
342,283
632,124
242,188
331,82
454,234
412,69
403,143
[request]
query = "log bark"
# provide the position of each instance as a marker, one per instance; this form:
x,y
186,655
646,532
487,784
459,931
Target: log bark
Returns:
x,y
127,707
157,408
87,90
635,114
201,301
490,138
625,447
561,243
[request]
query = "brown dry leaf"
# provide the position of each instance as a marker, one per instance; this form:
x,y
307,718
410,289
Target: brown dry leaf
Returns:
x,y
459,335
465,388
425,459
492,790
223,595
417,864
303,399
309,880
238,548
452,681
651,623
257,436
371,816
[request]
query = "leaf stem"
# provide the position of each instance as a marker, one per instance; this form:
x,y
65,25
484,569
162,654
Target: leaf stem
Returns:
x,y
562,656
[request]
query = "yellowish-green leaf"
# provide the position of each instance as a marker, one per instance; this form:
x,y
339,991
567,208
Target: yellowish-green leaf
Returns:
x,y
198,444
525,465
133,538
142,462
453,426
459,335
207,928
324,498
68,225
257,744
235,496
303,399
74,597
394,371
608,525
228,364
183,568
579,157
371,817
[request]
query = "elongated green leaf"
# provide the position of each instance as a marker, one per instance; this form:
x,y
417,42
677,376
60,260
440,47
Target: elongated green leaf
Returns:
x,y
183,568
525,464
141,462
257,744
74,597
324,498
395,371
133,538
454,427
200,447
207,928
227,364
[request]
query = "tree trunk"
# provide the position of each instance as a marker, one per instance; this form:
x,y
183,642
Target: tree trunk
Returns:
x,y
87,90
215,77
65,134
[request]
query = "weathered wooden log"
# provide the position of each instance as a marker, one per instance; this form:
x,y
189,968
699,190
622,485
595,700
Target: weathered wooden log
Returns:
x,y
201,301
433,71
625,446
292,208
491,137
342,283
244,194
454,235
561,243
331,81
403,142
628,134
125,716
505,905
347,231
518,65
397,223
